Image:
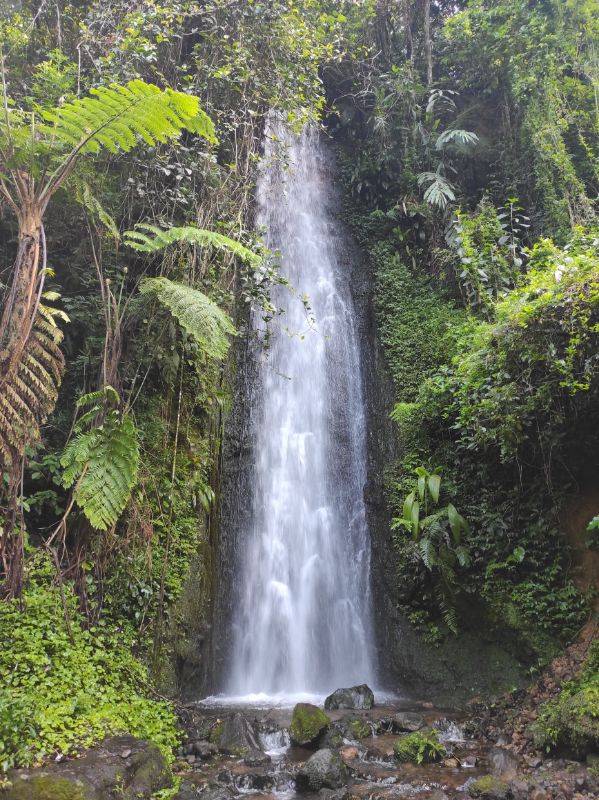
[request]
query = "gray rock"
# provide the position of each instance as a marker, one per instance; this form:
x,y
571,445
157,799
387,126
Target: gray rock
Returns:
x,y
215,793
408,721
323,770
205,750
353,697
237,736
97,775
504,763
256,758
334,794
187,791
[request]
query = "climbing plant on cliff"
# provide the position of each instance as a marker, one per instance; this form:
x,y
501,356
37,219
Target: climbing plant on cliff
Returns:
x,y
38,154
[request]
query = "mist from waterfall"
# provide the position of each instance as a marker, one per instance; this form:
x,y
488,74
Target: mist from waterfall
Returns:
x,y
302,623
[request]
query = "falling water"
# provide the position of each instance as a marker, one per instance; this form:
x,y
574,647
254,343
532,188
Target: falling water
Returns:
x,y
303,618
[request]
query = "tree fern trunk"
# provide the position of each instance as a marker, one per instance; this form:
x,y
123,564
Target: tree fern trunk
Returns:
x,y
30,371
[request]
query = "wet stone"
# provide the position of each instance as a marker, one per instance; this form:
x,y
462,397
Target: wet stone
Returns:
x,y
352,697
323,770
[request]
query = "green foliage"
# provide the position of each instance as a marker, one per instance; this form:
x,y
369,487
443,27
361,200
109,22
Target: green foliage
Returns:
x,y
489,246
571,720
199,316
517,381
437,536
66,687
102,459
117,117
414,322
421,747
190,234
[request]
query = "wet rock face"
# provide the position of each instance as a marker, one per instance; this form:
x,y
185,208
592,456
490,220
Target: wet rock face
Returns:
x,y
323,770
353,697
237,736
406,721
308,723
133,767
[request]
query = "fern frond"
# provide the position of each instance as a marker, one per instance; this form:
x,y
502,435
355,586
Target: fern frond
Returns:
x,y
85,196
456,136
29,388
118,117
427,553
102,463
198,315
162,238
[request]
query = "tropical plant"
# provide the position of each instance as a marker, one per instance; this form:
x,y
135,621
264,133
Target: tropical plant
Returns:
x,y
38,153
440,191
100,462
197,314
190,234
420,747
437,534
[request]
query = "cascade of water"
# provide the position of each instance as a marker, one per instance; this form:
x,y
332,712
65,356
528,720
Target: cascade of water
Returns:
x,y
303,617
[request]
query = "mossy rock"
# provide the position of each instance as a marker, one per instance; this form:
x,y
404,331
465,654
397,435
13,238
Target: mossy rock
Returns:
x,y
421,747
44,787
359,728
489,787
307,724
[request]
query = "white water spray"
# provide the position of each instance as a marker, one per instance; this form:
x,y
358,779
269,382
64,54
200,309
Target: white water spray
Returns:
x,y
303,613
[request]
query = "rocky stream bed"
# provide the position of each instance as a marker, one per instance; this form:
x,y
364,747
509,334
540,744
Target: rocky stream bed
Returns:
x,y
305,752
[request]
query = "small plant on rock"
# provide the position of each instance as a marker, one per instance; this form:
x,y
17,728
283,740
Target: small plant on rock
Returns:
x,y
421,747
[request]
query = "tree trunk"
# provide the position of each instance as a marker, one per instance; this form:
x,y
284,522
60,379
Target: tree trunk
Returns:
x,y
428,46
18,317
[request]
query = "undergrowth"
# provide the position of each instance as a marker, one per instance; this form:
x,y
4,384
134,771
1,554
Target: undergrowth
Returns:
x,y
65,687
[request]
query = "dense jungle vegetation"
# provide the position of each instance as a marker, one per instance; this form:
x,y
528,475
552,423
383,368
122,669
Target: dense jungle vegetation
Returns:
x,y
466,141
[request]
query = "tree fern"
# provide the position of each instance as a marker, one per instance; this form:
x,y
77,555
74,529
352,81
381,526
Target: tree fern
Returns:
x,y
102,460
164,237
198,315
29,387
117,117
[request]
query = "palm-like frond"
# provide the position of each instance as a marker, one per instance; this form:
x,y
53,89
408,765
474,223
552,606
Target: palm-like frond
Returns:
x,y
163,237
102,464
439,192
118,117
456,136
198,315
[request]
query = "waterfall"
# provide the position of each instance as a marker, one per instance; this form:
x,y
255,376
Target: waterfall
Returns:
x,y
302,619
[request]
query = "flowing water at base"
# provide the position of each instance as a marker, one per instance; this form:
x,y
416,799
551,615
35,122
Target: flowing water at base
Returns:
x,y
303,618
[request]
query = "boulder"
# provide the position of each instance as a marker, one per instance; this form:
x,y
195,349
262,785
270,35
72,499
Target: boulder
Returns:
x,y
489,787
407,721
353,697
133,767
236,736
187,791
308,723
503,762
323,770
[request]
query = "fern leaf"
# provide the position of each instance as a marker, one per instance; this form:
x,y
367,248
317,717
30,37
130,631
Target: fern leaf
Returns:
x,y
118,117
198,315
102,463
427,553
162,238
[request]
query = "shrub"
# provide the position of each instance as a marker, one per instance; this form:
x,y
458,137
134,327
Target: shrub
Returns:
x,y
66,687
571,720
